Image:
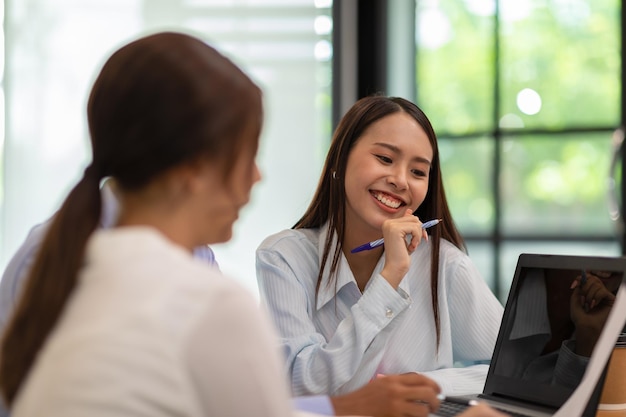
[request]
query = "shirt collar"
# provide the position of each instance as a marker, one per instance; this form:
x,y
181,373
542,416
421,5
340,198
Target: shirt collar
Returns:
x,y
344,274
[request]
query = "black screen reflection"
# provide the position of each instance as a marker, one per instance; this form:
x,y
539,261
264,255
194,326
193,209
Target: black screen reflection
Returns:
x,y
557,318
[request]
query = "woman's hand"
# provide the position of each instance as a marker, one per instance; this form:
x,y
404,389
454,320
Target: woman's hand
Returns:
x,y
397,232
590,305
402,395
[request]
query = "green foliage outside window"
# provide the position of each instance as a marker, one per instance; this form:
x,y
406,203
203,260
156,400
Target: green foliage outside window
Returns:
x,y
559,69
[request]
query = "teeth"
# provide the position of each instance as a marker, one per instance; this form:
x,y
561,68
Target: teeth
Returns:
x,y
387,201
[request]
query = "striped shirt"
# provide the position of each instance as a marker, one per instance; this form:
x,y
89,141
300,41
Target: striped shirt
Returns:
x,y
339,341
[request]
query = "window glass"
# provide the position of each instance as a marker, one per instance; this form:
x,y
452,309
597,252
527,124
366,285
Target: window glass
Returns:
x,y
560,63
557,72
556,185
466,165
455,64
55,48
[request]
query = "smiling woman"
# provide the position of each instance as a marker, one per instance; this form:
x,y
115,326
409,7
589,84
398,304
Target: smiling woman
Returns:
x,y
416,304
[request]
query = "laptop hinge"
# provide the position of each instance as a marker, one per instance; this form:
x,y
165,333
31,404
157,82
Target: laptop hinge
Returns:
x,y
516,402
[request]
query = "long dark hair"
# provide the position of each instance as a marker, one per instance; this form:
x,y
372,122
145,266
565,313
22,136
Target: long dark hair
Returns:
x,y
159,102
329,201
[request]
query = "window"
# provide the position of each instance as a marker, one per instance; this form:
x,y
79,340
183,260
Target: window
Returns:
x,y
524,96
55,48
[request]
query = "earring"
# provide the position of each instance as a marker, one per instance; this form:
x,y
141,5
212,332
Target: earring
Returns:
x,y
334,175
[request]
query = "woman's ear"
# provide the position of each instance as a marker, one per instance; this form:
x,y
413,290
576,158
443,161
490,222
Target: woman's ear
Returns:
x,y
180,180
199,175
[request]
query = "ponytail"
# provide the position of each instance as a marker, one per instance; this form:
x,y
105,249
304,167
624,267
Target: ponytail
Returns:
x,y
50,282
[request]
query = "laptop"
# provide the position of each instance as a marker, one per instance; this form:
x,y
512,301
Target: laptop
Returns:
x,y
541,354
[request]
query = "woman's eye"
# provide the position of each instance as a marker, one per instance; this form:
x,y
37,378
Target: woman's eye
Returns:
x,y
384,159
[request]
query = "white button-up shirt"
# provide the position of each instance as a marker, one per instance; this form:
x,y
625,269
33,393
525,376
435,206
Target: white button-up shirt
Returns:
x,y
338,341
150,331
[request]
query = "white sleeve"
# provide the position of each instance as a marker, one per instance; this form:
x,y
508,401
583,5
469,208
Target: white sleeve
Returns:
x,y
233,360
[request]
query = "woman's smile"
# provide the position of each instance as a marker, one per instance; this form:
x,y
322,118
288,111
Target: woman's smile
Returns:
x,y
387,200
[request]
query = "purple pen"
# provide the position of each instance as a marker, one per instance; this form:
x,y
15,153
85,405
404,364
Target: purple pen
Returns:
x,y
376,243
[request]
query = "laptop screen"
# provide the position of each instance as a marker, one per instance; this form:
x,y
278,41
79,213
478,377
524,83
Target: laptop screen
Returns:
x,y
551,324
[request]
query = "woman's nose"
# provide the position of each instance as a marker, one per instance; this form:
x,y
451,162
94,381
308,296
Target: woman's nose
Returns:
x,y
398,178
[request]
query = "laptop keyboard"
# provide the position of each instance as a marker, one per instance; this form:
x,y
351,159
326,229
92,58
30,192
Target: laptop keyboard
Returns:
x,y
450,409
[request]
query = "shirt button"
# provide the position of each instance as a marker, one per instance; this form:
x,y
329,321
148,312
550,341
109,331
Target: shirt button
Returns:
x,y
388,313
